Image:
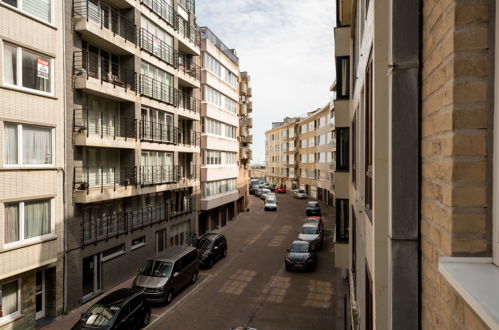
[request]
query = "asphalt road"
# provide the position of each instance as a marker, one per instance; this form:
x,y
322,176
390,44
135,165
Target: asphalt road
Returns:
x,y
250,287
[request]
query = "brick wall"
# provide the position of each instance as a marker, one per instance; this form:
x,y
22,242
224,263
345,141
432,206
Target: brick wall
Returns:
x,y
455,78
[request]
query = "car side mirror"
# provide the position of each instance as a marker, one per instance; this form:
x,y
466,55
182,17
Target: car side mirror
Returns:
x,y
176,274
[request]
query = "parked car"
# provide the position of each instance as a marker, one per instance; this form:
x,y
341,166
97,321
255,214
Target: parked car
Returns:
x,y
300,194
253,188
122,309
211,247
258,192
270,204
313,208
317,220
280,189
272,187
312,233
301,256
167,274
265,191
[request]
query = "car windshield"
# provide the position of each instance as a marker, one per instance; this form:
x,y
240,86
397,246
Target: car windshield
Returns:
x,y
301,191
99,315
271,201
312,204
205,244
299,247
156,268
309,230
265,191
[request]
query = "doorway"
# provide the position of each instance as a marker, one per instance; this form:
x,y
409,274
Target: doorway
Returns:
x,y
40,291
91,276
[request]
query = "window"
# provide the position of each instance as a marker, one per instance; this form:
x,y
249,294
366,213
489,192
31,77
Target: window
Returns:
x,y
27,145
113,252
303,128
342,149
220,100
311,142
138,242
27,70
214,157
216,127
212,65
213,188
342,220
368,165
27,220
354,149
311,126
41,9
11,299
343,77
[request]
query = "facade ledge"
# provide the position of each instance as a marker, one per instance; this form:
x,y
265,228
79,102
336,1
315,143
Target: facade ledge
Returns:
x,y
27,269
477,282
95,140
218,200
104,89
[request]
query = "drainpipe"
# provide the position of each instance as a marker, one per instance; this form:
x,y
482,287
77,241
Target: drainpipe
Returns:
x,y
64,188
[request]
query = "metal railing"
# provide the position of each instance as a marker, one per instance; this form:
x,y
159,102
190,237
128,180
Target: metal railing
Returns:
x,y
157,47
104,227
162,9
189,103
188,137
190,5
157,132
187,65
106,16
157,90
186,30
94,66
147,215
207,33
159,174
103,123
86,177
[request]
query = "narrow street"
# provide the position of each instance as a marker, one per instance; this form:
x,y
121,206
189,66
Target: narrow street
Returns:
x,y
250,287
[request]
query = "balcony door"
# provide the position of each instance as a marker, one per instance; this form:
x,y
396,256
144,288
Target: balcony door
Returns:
x,y
157,167
40,294
102,166
91,274
103,116
157,125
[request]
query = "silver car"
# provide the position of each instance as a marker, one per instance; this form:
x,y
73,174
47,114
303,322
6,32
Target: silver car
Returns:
x,y
300,194
312,233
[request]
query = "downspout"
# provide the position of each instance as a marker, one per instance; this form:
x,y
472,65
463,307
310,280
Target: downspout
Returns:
x,y
64,187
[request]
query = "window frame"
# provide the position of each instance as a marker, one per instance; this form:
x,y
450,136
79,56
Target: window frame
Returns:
x,y
19,58
20,145
342,149
11,317
342,233
33,240
368,140
495,160
340,79
19,8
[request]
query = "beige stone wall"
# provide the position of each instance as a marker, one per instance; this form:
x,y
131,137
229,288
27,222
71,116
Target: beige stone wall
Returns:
x,y
455,75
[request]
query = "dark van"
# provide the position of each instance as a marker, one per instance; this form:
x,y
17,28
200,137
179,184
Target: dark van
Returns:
x,y
167,274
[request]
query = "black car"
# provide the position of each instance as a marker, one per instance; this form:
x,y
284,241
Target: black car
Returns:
x,y
301,256
122,309
272,187
211,247
253,188
313,208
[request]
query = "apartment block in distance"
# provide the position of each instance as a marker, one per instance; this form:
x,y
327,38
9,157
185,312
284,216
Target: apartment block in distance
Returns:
x,y
133,140
245,139
281,152
219,138
32,162
315,154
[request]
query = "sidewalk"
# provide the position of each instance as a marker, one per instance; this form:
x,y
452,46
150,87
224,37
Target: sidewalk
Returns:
x,y
67,321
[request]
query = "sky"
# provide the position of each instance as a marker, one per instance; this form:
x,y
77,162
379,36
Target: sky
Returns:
x,y
287,48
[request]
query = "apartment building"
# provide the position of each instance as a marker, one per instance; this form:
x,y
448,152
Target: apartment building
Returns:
x,y
133,137
245,139
32,162
221,133
281,152
315,155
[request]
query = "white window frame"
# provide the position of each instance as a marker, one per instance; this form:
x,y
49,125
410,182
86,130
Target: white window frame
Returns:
x,y
113,255
20,146
19,8
11,317
33,240
19,59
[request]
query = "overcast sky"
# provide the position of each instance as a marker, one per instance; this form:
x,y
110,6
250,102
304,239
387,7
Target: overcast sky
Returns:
x,y
287,48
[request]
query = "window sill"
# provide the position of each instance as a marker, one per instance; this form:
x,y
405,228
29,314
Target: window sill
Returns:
x,y
50,25
31,241
477,281
112,256
29,91
137,246
10,318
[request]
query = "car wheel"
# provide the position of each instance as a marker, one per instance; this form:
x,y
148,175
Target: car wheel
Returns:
x,y
146,319
194,277
225,253
169,297
210,263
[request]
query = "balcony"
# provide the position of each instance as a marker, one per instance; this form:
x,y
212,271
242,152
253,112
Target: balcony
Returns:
x,y
189,72
243,153
189,103
166,174
248,122
243,131
158,90
243,88
158,48
189,5
103,228
104,26
102,129
250,92
247,139
249,105
243,110
189,37
161,133
102,77
162,9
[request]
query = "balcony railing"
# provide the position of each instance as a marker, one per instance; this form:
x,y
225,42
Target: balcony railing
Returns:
x,y
87,177
94,66
187,65
188,31
164,174
189,103
190,5
106,16
158,90
157,132
162,9
153,45
95,229
103,123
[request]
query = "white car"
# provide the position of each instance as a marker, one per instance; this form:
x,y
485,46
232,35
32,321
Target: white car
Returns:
x,y
265,192
312,233
300,194
270,204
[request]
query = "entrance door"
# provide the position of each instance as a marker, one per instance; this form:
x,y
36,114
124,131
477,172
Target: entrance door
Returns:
x,y
40,294
160,240
91,276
